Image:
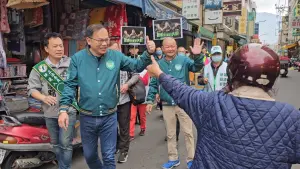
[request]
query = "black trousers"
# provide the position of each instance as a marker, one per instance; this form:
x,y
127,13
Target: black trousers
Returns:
x,y
123,139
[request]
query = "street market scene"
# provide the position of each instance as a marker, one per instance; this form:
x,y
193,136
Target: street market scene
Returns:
x,y
149,84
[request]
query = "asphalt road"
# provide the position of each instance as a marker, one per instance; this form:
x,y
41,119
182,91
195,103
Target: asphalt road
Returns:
x,y
150,151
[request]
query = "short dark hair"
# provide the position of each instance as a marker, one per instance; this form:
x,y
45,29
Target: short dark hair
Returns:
x,y
92,28
49,36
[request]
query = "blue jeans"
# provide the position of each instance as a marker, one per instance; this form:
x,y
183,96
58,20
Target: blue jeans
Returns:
x,y
92,128
62,140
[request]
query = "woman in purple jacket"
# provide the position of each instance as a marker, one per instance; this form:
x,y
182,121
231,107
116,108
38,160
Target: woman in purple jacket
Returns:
x,y
242,127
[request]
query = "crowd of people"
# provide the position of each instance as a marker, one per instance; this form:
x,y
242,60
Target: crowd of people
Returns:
x,y
235,117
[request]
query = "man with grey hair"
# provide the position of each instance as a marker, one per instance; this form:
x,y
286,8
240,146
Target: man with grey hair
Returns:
x,y
96,71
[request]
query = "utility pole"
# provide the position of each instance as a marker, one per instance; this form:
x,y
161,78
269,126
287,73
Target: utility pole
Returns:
x,y
280,10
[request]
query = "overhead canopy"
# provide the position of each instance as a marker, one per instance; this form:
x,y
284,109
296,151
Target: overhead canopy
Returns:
x,y
137,3
158,11
26,4
289,46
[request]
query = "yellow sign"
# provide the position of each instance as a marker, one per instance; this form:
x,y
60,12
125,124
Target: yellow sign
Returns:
x,y
243,22
229,49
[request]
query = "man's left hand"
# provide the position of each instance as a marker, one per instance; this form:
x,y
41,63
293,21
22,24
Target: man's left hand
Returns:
x,y
197,48
124,88
150,45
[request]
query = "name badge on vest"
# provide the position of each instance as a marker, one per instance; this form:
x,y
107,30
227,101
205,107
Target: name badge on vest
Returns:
x,y
178,67
110,64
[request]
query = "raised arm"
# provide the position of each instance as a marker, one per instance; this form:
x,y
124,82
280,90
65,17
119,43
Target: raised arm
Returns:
x,y
135,65
195,65
138,65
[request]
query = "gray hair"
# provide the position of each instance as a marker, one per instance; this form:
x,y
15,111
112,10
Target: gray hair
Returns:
x,y
93,28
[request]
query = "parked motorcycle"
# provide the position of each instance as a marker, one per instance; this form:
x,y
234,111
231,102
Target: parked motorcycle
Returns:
x,y
284,68
25,141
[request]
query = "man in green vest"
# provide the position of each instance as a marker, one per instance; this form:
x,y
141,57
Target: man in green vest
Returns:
x,y
179,67
96,71
44,85
215,73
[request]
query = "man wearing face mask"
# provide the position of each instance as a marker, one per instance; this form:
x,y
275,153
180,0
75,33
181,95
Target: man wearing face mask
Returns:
x,y
214,74
158,54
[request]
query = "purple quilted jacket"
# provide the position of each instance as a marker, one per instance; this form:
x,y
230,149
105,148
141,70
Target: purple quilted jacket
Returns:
x,y
238,133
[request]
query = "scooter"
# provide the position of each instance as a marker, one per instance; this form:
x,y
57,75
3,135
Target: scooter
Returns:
x,y
25,141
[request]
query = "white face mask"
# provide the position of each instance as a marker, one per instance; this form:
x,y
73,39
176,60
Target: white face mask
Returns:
x,y
216,58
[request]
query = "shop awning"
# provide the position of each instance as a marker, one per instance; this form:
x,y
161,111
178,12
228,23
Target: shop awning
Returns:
x,y
157,11
289,46
137,3
205,33
26,4
238,37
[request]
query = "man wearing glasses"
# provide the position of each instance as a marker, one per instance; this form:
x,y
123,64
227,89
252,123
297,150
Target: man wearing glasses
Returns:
x,y
96,71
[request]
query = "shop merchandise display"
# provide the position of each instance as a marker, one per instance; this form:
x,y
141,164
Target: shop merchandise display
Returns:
x,y
4,26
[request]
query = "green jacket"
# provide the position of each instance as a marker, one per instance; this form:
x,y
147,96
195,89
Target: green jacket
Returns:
x,y
179,68
98,80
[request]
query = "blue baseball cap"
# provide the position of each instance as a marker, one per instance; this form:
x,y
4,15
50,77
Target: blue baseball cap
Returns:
x,y
216,49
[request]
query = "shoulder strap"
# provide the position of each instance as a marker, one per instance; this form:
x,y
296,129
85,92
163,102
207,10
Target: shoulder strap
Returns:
x,y
52,78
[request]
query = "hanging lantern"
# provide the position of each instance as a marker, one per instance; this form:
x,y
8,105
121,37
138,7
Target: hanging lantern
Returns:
x,y
26,4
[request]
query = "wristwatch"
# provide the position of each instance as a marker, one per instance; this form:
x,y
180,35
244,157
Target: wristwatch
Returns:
x,y
62,111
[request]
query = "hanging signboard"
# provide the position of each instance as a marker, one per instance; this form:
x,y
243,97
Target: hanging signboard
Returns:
x,y
167,28
243,22
213,17
212,4
296,22
191,9
132,35
232,8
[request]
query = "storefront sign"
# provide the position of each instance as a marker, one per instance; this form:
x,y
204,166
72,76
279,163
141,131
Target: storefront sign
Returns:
x,y
191,9
212,4
213,17
167,28
243,22
205,33
232,8
296,22
131,35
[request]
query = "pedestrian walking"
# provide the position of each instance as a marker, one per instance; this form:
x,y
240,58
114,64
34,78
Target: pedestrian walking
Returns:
x,y
95,70
44,89
127,80
140,109
178,66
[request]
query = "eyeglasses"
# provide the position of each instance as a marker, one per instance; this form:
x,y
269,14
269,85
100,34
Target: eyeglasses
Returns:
x,y
100,41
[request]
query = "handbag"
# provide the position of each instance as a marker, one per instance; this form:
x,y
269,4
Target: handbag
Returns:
x,y
137,92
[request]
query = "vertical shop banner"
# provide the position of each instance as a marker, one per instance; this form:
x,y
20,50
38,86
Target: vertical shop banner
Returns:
x,y
243,22
213,17
212,4
132,35
167,28
191,9
296,22
232,8
115,17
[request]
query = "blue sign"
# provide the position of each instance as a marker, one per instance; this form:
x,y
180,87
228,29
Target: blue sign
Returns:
x,y
213,4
